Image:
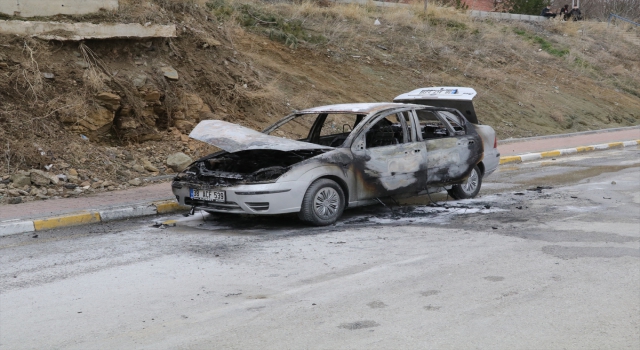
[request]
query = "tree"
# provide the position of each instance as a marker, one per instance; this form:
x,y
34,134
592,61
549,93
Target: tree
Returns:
x,y
526,7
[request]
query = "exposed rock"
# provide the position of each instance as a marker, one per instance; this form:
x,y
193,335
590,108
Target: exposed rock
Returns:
x,y
97,120
169,73
138,168
178,161
52,192
109,100
62,177
42,196
148,166
15,200
135,182
152,96
48,75
40,178
208,42
184,125
123,173
139,81
85,184
74,179
70,186
127,123
54,179
72,172
195,107
21,179
14,193
96,184
82,64
127,155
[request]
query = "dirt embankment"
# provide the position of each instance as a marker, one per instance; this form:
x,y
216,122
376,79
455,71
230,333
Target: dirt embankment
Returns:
x,y
103,113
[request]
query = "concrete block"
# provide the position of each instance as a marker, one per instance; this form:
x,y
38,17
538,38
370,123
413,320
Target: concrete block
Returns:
x,y
73,219
31,8
81,31
601,146
530,156
15,227
169,206
568,151
510,159
127,213
550,154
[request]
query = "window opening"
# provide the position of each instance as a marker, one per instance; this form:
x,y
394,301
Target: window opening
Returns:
x,y
386,132
455,121
431,127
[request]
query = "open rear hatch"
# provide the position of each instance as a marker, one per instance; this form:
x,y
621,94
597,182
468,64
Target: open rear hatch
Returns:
x,y
459,98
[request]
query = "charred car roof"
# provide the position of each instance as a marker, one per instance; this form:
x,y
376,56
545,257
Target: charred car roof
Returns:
x,y
363,108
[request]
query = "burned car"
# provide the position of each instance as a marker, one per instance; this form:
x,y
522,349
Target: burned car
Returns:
x,y
319,161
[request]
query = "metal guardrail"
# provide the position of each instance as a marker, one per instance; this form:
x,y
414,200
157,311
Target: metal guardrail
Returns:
x,y
620,18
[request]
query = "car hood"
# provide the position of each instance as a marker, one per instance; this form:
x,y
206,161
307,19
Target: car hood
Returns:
x,y
233,138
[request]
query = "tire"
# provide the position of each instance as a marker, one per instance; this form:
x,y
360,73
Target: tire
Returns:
x,y
469,188
323,203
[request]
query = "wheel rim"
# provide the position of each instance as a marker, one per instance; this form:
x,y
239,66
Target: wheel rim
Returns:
x,y
472,182
326,202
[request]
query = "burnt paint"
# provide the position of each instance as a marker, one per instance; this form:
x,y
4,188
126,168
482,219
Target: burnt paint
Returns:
x,y
393,175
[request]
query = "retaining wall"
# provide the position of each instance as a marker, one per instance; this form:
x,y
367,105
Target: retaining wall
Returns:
x,y
509,16
82,31
31,8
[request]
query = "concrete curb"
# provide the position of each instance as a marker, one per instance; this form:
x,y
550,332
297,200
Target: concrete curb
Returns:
x,y
89,217
564,152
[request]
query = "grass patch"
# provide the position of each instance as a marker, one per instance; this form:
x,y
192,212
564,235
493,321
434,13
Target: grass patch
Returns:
x,y
278,28
544,44
442,22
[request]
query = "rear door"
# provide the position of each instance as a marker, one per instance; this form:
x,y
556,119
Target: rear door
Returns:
x,y
448,158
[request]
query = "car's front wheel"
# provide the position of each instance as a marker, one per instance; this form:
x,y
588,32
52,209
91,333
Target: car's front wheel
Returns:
x,y
323,203
469,188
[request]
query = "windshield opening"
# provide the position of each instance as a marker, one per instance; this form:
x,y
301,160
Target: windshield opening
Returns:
x,y
326,129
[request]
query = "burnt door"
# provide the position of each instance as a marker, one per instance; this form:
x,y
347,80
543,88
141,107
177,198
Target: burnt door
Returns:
x,y
468,147
388,158
447,149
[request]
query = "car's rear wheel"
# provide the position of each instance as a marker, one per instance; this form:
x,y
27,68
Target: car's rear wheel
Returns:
x,y
469,188
323,203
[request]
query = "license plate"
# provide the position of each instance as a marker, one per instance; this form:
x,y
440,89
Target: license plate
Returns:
x,y
208,195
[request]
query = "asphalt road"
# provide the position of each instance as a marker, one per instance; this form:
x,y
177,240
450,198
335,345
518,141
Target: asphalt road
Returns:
x,y
547,258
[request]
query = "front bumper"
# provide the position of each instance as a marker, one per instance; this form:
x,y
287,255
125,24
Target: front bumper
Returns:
x,y
263,199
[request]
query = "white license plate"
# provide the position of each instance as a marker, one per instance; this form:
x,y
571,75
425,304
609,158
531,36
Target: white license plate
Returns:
x,y
208,195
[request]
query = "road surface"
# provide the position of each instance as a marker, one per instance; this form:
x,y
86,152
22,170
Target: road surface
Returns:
x,y
548,257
